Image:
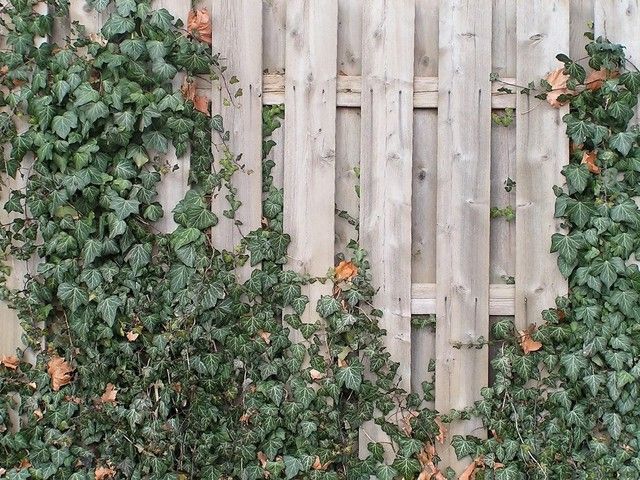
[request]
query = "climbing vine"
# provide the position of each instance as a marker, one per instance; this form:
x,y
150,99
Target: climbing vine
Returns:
x,y
564,401
146,356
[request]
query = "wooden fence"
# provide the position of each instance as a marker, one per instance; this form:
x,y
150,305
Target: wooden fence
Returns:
x,y
400,91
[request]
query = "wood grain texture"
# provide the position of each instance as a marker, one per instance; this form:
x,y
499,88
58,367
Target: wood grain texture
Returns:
x,y
80,11
309,148
348,123
464,163
237,27
274,15
581,14
386,171
543,30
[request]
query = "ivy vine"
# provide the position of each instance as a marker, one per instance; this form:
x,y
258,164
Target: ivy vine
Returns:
x,y
158,362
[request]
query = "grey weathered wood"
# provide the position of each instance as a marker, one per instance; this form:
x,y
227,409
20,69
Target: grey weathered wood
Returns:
x,y
581,14
274,14
237,27
543,30
348,122
464,162
386,164
309,149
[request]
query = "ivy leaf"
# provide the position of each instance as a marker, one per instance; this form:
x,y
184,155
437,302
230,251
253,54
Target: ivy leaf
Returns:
x,y
179,276
386,472
133,48
350,376
126,7
85,94
327,305
162,19
510,472
566,245
72,295
60,89
573,363
123,207
62,124
622,142
292,466
116,25
108,308
578,177
613,422
139,255
92,249
156,49
212,294
154,140
95,111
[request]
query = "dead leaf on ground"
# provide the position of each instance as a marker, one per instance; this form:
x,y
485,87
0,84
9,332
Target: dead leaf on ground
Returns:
x,y
3,471
4,70
266,336
406,422
318,465
596,78
11,362
558,81
316,374
527,343
442,431
102,473
346,270
24,463
589,159
38,413
199,25
469,471
110,393
132,336
262,457
429,469
60,372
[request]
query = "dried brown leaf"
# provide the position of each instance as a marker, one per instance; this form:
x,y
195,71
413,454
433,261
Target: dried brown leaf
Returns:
x,y
60,372
527,343
266,336
346,270
132,336
442,431
10,362
589,158
316,374
558,81
596,78
109,395
262,457
199,25
102,473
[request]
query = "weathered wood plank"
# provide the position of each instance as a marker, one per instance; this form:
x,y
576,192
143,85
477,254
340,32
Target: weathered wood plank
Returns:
x,y
581,14
80,11
348,123
175,182
543,31
464,163
274,14
238,37
309,149
386,170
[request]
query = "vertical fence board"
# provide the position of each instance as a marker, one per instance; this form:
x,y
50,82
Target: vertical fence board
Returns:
x,y
581,14
175,182
464,162
543,31
386,153
348,122
309,149
80,11
237,27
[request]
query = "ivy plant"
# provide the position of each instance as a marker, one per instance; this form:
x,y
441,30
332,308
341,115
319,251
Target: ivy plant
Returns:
x,y
145,356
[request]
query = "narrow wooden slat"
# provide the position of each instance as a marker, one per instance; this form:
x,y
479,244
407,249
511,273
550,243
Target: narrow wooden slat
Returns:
x,y
237,27
80,11
385,181
348,122
425,92
309,149
464,162
501,299
581,14
175,182
274,14
543,30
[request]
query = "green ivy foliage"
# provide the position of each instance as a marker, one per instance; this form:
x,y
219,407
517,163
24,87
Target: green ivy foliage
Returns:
x,y
176,369
570,409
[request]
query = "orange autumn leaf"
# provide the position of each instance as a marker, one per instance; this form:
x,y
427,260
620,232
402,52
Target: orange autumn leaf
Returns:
x,y
132,336
262,457
188,90
109,395
429,469
406,422
4,70
199,25
527,343
10,362
596,78
442,431
102,473
24,463
2,471
589,158
558,81
346,270
469,471
60,372
316,375
38,413
318,465
266,336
